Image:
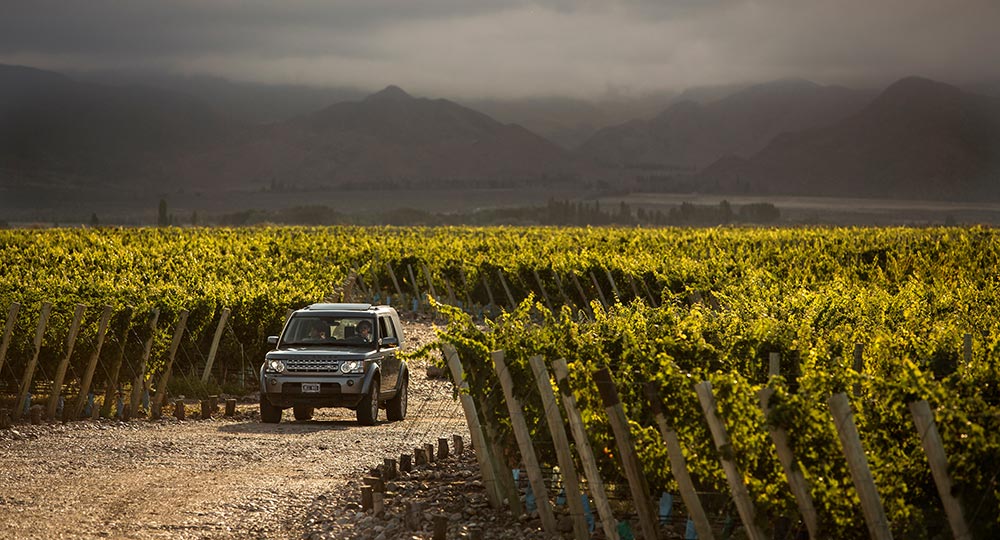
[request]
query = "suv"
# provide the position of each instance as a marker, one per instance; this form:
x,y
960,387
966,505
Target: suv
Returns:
x,y
336,355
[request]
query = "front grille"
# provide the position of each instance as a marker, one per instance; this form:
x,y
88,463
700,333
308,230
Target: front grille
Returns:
x,y
311,365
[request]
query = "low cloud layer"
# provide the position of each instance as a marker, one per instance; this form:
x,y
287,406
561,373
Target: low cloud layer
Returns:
x,y
504,48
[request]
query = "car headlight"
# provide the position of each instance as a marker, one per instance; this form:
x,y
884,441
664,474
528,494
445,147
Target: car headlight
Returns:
x,y
352,366
276,366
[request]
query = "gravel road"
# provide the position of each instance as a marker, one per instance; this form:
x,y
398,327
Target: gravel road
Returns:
x,y
222,477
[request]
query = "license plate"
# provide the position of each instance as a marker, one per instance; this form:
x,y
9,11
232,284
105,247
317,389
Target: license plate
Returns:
x,y
310,388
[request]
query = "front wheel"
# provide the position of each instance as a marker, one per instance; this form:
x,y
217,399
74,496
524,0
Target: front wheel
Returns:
x,y
368,408
395,409
269,414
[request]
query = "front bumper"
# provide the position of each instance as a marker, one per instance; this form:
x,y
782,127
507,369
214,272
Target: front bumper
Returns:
x,y
286,390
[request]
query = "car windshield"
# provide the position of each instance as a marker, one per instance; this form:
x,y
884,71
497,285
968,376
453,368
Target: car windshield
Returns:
x,y
329,330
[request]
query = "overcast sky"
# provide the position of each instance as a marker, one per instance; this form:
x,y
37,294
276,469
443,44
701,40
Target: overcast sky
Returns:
x,y
503,48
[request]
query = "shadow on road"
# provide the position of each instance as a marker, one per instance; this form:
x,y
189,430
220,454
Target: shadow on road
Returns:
x,y
309,426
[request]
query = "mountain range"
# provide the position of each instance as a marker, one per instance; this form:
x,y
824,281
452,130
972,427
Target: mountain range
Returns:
x,y
915,139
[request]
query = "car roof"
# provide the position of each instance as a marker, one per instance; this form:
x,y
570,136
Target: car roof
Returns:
x,y
344,308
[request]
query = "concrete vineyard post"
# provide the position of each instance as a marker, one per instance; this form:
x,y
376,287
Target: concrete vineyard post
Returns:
x,y
57,381
626,449
720,436
523,437
29,370
583,448
923,418
215,345
88,375
678,467
850,441
558,430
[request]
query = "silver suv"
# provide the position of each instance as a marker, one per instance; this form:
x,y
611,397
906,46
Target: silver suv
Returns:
x,y
336,355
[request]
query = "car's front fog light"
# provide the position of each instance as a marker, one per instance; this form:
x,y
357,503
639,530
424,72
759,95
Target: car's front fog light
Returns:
x,y
276,366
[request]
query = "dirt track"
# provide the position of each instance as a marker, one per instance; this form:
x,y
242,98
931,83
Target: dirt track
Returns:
x,y
217,478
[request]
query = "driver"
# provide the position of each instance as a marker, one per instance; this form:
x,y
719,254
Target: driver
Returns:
x,y
365,330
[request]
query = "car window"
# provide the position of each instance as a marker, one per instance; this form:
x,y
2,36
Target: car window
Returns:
x,y
325,329
386,327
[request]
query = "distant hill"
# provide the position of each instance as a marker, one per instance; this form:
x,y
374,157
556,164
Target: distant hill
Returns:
x,y
919,139
247,102
54,130
390,139
690,135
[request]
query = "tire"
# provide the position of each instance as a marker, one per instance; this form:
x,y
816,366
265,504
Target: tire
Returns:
x,y
368,408
269,414
303,412
395,409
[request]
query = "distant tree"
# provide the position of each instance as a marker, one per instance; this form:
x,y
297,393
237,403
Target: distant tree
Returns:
x,y
94,222
194,217
725,212
163,219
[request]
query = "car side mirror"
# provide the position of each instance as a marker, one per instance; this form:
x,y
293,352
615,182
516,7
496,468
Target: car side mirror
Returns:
x,y
389,342
272,340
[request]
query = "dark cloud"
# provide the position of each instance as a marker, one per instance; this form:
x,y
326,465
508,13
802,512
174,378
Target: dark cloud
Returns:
x,y
515,47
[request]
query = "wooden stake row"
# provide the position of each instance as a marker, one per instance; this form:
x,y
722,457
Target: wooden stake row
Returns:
x,y
113,368
839,410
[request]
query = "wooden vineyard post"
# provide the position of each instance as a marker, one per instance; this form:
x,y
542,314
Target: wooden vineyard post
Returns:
x,y
523,437
614,286
583,448
88,375
57,381
215,345
452,299
416,286
541,287
626,449
486,464
562,292
489,291
793,474
395,282
140,376
967,348
635,290
175,343
8,330
29,370
506,289
923,418
430,281
741,496
850,441
112,384
678,467
600,292
579,289
558,430
859,365
361,282
465,287
652,298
